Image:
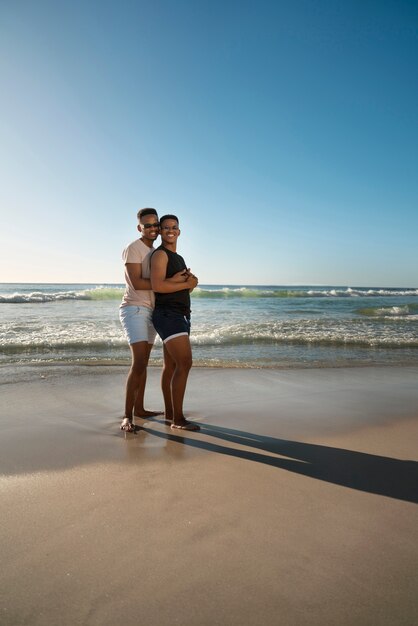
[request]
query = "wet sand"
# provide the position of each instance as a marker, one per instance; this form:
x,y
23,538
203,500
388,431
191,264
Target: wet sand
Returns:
x,y
296,504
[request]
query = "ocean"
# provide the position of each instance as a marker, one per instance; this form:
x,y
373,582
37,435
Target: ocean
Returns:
x,y
232,326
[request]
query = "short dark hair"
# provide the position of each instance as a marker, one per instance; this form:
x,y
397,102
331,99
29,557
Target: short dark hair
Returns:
x,y
169,217
144,212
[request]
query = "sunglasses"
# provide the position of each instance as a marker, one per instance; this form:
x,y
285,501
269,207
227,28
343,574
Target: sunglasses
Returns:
x,y
153,225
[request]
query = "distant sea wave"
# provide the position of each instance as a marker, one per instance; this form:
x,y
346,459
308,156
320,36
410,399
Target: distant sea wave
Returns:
x,y
40,297
406,311
254,292
115,293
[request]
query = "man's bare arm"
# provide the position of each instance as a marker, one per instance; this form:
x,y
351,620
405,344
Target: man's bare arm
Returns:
x,y
160,283
134,271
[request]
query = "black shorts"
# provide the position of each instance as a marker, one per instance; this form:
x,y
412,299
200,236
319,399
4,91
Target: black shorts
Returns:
x,y
170,324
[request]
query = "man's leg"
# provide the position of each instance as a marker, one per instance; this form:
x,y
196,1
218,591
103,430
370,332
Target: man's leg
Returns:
x,y
166,376
136,376
135,385
179,349
139,410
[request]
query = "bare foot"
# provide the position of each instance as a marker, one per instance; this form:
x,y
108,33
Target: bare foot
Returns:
x,y
185,425
127,425
146,413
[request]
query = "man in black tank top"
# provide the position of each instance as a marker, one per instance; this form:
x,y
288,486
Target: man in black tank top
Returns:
x,y
172,283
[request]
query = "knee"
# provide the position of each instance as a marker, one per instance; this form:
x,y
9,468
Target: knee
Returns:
x,y
184,364
168,369
138,368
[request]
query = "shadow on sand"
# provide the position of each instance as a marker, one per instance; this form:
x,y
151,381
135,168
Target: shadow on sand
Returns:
x,y
380,475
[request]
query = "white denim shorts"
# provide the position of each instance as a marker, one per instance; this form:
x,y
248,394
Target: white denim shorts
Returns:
x,y
137,324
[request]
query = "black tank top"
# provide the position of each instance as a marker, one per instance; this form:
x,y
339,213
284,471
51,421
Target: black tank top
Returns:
x,y
179,300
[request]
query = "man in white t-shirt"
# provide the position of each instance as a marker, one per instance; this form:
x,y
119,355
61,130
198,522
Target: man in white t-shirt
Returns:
x,y
135,314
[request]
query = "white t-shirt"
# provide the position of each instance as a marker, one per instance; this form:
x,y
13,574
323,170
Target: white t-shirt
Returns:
x,y
137,252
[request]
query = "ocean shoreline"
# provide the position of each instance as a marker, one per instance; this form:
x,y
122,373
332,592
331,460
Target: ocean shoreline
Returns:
x,y
12,373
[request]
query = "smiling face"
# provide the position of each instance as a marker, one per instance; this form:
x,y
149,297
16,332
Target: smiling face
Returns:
x,y
170,231
149,228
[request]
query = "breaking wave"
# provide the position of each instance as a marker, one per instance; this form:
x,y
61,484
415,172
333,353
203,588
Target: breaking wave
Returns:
x,y
305,292
210,292
109,337
40,297
406,311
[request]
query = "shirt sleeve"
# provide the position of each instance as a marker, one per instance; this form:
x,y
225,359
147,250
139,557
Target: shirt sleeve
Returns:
x,y
132,254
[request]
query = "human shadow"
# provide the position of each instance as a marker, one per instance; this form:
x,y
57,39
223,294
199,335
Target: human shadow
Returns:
x,y
370,473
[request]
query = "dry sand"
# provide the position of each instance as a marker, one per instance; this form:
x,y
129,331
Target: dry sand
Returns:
x,y
295,504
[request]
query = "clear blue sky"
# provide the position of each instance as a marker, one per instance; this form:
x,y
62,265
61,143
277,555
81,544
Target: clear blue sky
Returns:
x,y
282,133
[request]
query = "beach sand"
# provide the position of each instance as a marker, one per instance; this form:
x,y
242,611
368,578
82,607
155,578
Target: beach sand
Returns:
x,y
296,504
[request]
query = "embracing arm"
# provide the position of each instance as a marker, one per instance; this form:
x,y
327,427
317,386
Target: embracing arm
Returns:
x,y
160,283
134,271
